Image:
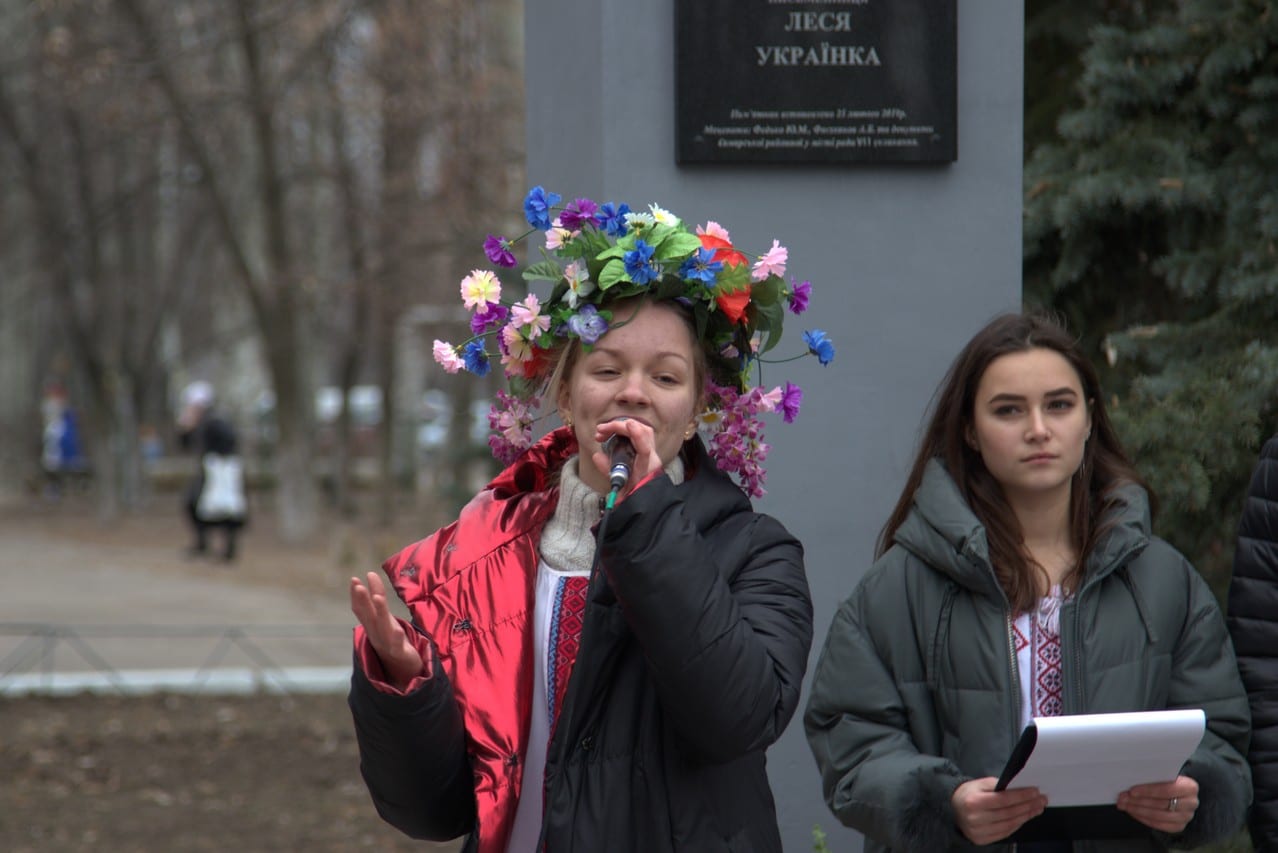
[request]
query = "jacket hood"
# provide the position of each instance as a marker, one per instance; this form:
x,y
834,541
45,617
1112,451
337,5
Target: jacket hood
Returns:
x,y
532,471
942,530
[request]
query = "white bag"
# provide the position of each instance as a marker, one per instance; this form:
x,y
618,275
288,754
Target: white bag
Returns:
x,y
222,498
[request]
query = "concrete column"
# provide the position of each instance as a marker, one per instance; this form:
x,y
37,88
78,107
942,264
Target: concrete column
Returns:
x,y
906,262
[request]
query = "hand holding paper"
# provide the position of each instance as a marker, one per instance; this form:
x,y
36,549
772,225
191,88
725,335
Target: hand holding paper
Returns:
x,y
986,815
1167,806
1089,759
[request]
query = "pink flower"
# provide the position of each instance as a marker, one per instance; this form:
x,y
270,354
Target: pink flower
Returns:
x,y
714,229
480,288
771,401
516,349
446,354
773,263
527,313
557,235
511,421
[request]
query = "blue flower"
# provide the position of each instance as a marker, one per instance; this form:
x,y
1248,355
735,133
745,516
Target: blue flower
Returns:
x,y
639,265
702,266
587,324
819,345
476,358
537,207
612,218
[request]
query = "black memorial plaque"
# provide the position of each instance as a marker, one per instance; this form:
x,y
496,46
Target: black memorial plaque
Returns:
x,y
822,81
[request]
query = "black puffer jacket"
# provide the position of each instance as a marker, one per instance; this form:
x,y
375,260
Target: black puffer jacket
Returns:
x,y
1253,622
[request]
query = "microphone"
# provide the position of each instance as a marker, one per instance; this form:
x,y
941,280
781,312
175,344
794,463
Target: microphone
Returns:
x,y
621,456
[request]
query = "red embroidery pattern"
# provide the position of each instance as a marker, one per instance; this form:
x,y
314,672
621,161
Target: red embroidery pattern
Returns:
x,y
565,639
1047,672
1021,640
1045,668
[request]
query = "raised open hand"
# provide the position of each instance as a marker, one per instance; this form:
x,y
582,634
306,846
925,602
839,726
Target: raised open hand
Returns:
x,y
399,658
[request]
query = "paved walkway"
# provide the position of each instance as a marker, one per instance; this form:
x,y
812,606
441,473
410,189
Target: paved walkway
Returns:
x,y
88,606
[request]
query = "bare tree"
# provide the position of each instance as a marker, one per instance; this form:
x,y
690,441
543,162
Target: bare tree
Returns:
x,y
325,158
267,61
86,159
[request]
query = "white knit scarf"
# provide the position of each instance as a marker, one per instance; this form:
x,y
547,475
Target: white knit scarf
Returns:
x,y
567,543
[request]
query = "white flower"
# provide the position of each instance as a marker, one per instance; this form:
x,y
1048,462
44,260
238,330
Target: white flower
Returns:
x,y
579,283
639,221
710,421
557,235
663,216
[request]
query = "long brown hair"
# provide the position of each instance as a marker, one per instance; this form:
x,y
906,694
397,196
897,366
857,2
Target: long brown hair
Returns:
x,y
1105,464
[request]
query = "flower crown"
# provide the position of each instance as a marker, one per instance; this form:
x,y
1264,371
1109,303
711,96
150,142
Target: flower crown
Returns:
x,y
596,255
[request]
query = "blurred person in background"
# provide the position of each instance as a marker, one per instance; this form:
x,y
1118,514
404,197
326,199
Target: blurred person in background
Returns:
x,y
61,456
215,499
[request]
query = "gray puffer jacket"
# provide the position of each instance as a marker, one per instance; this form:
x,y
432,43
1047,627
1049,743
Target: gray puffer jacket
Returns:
x,y
916,689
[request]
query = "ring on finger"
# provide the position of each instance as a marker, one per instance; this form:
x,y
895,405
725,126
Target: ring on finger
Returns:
x,y
1171,804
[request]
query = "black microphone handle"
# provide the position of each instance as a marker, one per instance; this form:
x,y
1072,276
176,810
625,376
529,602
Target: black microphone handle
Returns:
x,y
621,456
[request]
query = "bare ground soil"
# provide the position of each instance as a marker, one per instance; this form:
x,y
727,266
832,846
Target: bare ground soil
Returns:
x,y
177,773
172,772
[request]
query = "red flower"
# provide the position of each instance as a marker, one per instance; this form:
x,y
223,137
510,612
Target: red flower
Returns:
x,y
733,305
724,251
533,367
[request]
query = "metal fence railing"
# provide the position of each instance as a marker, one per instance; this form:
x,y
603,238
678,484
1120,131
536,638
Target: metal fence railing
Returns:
x,y
129,659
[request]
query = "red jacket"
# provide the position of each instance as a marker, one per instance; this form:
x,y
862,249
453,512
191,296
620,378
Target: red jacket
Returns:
x,y
482,626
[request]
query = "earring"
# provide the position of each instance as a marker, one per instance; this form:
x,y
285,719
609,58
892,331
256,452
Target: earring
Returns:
x,y
567,419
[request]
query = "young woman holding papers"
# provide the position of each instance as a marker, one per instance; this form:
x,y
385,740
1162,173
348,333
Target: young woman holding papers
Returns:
x,y
1018,578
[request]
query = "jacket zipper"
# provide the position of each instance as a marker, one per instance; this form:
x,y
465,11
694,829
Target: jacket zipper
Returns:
x,y
1016,689
1076,658
1016,677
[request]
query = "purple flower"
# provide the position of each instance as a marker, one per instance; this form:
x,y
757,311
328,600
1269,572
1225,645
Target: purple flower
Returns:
x,y
476,358
819,345
639,265
580,212
791,399
587,324
537,206
492,315
799,297
510,419
737,446
498,251
612,218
